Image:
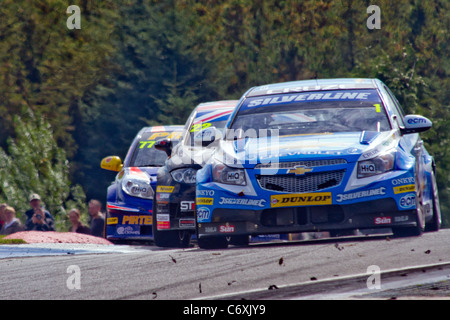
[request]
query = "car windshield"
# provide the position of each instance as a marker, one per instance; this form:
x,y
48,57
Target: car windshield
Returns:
x,y
146,155
199,126
313,117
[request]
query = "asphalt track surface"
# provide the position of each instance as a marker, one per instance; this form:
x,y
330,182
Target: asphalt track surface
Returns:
x,y
322,269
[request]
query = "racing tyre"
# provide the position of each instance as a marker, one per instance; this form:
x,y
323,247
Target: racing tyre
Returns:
x,y
239,240
213,243
435,223
169,238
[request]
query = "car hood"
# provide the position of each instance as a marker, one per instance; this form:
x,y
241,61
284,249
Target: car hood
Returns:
x,y
352,146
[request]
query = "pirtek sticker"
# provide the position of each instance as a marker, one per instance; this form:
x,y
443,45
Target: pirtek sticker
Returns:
x,y
302,199
140,220
168,189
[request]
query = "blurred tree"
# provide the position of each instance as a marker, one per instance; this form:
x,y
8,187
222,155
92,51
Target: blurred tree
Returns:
x,y
35,164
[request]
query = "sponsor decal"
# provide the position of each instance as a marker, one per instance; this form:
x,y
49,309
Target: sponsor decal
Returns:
x,y
112,220
404,189
370,153
163,221
367,168
187,205
162,196
168,189
139,220
210,229
401,218
127,231
302,199
361,194
205,201
226,228
243,201
203,214
400,181
205,193
383,220
300,170
408,201
314,96
175,135
187,223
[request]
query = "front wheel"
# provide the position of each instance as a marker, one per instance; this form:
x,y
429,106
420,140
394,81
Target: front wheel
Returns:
x,y
435,223
169,238
213,243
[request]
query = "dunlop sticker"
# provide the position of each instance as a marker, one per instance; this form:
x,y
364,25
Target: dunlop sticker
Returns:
x,y
168,189
114,220
404,189
301,199
205,201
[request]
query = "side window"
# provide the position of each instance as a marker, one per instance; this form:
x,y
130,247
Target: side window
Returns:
x,y
395,105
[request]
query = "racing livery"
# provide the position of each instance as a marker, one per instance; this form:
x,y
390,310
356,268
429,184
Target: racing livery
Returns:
x,y
130,196
318,155
174,205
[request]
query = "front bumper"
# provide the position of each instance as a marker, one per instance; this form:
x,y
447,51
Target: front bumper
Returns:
x,y
371,214
124,222
388,202
175,207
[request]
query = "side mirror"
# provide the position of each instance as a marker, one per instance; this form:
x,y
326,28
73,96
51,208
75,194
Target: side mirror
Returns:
x,y
205,137
112,163
164,145
415,123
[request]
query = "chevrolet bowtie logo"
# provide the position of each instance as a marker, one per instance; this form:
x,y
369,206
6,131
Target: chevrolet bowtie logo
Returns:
x,y
299,170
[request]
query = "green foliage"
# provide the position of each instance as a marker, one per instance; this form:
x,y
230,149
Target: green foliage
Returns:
x,y
148,62
35,164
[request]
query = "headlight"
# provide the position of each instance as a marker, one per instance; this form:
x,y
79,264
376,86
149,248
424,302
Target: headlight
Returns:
x,y
185,175
378,165
137,186
223,174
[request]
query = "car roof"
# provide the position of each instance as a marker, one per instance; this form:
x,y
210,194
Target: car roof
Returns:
x,y
214,105
169,128
312,85
215,111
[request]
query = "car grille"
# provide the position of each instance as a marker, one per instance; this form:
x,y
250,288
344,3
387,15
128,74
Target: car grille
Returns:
x,y
306,163
306,183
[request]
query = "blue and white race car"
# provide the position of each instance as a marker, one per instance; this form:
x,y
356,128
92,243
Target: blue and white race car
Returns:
x,y
130,196
318,155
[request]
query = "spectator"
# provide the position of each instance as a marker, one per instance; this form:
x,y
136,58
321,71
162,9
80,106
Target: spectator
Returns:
x,y
11,223
39,221
77,225
2,209
97,218
35,203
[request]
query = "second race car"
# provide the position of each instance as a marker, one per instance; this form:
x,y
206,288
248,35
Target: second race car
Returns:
x,y
175,201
